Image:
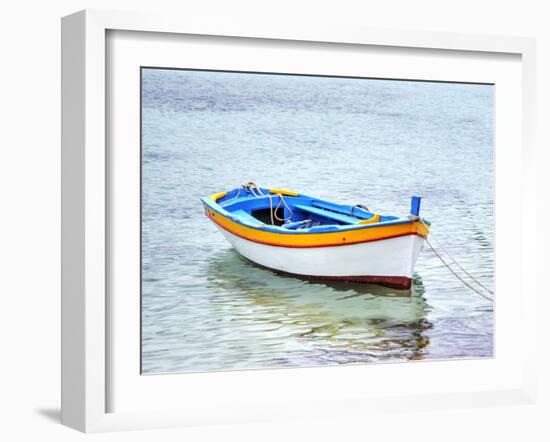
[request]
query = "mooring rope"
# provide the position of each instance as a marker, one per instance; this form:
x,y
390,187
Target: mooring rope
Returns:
x,y
440,245
457,275
446,264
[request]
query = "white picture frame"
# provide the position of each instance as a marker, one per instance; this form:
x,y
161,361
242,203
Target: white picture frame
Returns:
x,y
86,204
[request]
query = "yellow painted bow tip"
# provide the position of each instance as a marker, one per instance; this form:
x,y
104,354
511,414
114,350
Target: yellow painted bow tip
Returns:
x,y
218,196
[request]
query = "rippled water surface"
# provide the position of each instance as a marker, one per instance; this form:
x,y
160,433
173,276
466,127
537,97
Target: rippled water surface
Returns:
x,y
375,142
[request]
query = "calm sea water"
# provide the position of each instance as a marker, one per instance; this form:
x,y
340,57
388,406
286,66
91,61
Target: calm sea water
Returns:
x,y
375,142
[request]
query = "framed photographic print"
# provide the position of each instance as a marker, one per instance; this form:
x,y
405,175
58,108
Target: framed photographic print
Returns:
x,y
264,222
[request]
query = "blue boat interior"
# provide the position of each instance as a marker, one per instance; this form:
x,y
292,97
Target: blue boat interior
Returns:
x,y
264,207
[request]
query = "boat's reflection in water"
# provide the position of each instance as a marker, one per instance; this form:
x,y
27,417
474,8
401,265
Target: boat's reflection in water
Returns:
x,y
324,322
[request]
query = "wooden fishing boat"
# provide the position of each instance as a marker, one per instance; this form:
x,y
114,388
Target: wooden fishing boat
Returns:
x,y
300,235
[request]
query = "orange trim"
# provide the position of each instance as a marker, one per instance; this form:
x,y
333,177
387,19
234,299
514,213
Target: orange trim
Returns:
x,y
338,238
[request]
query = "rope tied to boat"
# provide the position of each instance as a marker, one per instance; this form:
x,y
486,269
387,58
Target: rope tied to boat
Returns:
x,y
255,190
446,264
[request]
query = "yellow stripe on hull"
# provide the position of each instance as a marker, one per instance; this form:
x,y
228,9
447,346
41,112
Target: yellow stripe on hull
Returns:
x,y
341,238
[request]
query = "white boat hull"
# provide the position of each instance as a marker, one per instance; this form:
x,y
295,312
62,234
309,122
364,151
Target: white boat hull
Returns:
x,y
387,261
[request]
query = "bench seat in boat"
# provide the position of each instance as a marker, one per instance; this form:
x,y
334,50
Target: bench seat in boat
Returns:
x,y
340,217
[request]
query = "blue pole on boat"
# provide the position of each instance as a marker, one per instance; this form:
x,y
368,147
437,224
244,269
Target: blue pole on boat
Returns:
x,y
415,205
